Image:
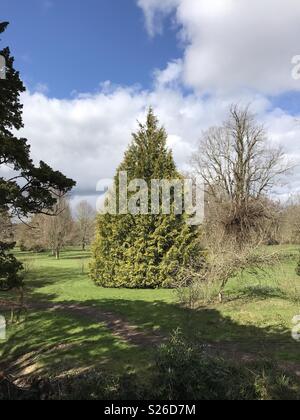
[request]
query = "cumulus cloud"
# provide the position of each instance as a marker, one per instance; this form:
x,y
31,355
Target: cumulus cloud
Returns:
x,y
235,52
233,45
171,76
85,137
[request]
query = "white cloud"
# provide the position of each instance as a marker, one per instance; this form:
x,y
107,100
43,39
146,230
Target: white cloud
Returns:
x,y
85,137
232,45
41,88
171,76
155,11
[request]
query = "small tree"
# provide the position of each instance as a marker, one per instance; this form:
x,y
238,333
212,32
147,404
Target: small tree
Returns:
x,y
85,218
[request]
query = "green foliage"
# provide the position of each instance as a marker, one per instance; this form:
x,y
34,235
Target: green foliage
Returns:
x,y
187,372
3,26
10,268
144,251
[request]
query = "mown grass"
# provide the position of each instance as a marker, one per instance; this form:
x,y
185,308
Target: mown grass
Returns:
x,y
256,316
56,343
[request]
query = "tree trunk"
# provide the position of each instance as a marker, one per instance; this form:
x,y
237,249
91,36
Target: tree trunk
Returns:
x,y
57,254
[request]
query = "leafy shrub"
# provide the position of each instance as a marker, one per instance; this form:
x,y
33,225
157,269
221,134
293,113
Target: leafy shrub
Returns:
x,y
187,371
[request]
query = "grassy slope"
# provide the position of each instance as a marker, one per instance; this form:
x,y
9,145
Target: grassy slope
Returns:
x,y
257,315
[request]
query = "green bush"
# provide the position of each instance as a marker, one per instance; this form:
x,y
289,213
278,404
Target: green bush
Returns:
x,y
187,372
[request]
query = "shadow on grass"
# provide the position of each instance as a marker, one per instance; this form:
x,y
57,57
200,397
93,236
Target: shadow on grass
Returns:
x,y
58,342
205,326
79,257
251,293
205,323
40,278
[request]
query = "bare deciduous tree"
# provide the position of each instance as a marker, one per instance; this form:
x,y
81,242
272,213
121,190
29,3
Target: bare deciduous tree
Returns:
x,y
85,217
290,221
239,168
58,228
225,262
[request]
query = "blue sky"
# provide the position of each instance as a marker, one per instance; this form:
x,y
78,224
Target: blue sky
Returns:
x,y
188,59
73,45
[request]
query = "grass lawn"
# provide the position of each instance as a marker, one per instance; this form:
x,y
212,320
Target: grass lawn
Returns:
x,y
256,316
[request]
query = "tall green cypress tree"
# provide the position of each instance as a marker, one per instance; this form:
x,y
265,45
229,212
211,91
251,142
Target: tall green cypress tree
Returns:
x,y
144,251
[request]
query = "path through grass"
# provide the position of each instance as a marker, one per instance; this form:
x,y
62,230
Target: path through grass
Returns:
x,y
256,316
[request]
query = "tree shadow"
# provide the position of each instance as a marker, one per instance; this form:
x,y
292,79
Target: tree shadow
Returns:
x,y
204,326
251,293
75,257
59,342
42,278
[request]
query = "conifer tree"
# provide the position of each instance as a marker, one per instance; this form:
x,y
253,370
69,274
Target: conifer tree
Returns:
x,y
144,250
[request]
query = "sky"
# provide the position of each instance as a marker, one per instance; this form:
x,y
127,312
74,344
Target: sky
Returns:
x,y
71,45
93,68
